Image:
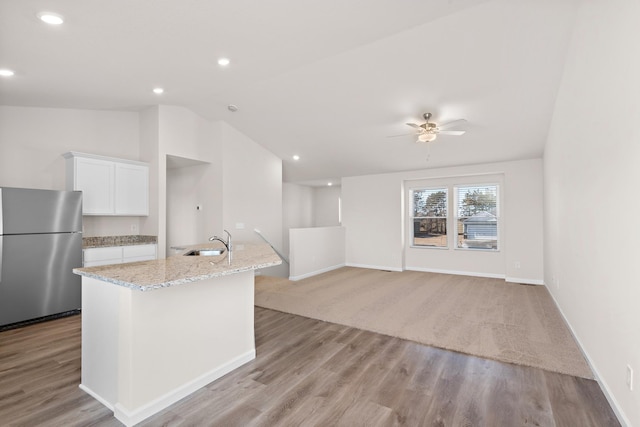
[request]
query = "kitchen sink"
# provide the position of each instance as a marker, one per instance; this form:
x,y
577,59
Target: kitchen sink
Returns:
x,y
205,252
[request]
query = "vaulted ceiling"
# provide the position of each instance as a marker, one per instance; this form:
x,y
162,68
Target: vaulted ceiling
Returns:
x,y
327,80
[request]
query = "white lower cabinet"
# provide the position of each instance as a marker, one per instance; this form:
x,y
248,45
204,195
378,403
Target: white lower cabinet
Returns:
x,y
118,255
102,256
138,253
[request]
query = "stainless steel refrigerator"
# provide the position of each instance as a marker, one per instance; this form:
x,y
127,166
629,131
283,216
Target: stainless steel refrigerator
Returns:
x,y
40,245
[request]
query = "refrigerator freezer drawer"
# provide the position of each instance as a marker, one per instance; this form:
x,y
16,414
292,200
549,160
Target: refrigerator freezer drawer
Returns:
x,y
30,211
36,278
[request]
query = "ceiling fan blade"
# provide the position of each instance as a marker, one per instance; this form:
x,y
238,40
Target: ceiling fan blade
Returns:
x,y
402,134
452,123
452,132
413,125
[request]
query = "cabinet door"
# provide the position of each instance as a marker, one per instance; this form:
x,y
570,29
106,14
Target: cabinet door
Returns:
x,y
95,179
138,253
102,256
132,189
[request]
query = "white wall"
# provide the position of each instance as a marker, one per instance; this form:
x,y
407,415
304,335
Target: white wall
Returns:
x,y
326,206
591,174
193,139
304,206
186,192
316,250
32,141
252,190
297,210
373,214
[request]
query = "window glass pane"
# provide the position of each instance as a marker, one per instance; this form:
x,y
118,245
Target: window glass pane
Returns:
x,y
477,216
429,217
430,203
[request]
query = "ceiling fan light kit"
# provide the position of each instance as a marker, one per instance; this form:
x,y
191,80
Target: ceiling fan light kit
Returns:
x,y
426,137
428,131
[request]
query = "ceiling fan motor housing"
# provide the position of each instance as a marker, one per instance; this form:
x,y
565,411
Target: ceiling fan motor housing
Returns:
x,y
429,127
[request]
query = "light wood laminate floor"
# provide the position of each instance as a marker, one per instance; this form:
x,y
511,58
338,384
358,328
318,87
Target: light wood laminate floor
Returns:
x,y
307,373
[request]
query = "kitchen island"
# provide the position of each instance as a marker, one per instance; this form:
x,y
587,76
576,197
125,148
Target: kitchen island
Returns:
x,y
154,332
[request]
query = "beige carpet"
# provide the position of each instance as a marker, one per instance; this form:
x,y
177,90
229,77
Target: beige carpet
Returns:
x,y
478,316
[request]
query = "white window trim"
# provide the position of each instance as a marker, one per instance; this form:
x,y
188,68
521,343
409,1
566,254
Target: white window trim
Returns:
x,y
412,185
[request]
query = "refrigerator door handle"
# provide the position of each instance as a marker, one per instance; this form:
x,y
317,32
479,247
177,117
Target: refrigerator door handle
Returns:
x,y
1,219
1,233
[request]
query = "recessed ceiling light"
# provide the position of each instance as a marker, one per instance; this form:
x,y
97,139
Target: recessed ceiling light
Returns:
x,y
296,157
329,184
6,73
51,18
224,62
158,90
232,107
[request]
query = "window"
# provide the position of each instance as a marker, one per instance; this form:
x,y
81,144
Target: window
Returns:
x,y
477,216
429,217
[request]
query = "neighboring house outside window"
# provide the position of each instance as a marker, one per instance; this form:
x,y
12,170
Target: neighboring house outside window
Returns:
x,y
477,216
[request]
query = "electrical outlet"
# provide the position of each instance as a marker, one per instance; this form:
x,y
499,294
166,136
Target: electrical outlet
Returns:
x,y
630,377
516,264
239,225
134,228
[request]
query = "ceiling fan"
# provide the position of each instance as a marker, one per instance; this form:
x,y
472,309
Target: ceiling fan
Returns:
x,y
428,131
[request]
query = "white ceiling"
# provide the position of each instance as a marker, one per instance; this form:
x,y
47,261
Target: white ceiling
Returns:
x,y
329,80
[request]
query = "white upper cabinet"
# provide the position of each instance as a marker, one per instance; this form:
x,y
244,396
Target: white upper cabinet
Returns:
x,y
95,178
132,189
109,186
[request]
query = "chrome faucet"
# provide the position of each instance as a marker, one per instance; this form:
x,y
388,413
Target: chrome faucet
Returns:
x,y
226,244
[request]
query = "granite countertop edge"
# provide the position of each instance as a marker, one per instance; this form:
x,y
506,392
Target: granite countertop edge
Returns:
x,y
176,282
181,270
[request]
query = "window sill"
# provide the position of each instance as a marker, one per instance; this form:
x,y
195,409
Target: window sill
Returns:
x,y
477,249
429,247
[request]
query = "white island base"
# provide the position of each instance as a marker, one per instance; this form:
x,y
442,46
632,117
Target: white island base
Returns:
x,y
143,351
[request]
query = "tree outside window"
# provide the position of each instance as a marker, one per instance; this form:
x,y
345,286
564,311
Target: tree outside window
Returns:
x,y
429,217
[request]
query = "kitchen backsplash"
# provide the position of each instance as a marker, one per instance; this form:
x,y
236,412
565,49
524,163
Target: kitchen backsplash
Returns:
x,y
110,225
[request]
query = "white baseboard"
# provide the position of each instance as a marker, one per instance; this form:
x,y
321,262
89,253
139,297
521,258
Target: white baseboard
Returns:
x,y
624,421
374,267
456,272
315,273
96,396
524,281
132,417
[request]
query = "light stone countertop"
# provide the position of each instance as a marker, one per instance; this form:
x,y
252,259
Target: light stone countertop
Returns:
x,y
106,241
179,269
